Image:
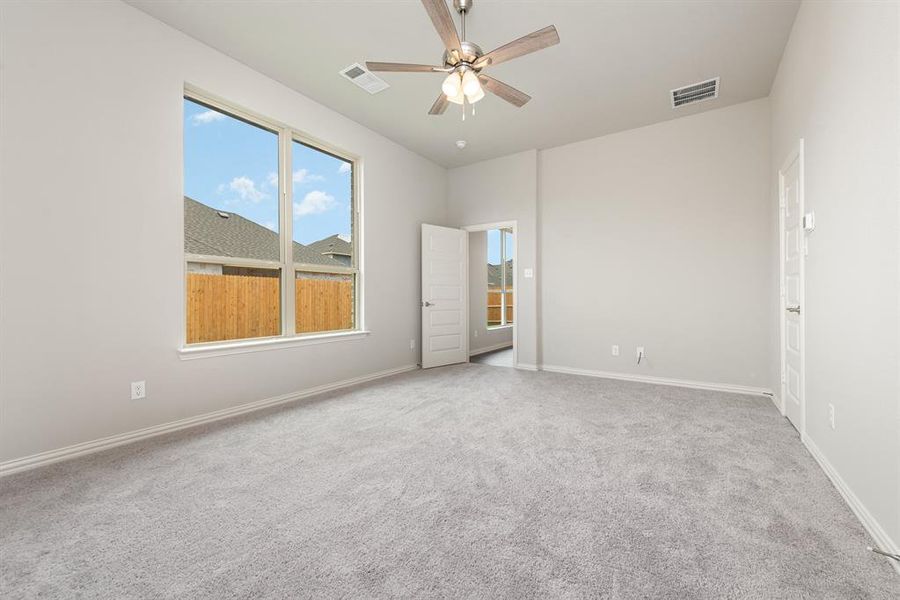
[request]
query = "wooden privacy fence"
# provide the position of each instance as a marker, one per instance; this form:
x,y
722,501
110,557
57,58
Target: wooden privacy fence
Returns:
x,y
231,307
323,304
494,307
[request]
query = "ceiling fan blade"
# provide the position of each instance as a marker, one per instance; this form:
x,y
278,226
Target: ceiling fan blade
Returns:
x,y
443,23
507,92
439,106
403,67
538,40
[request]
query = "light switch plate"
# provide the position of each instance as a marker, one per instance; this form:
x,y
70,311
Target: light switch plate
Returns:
x,y
528,273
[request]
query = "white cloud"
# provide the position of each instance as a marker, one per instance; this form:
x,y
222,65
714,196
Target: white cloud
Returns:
x,y
272,179
209,116
315,202
246,189
344,168
303,176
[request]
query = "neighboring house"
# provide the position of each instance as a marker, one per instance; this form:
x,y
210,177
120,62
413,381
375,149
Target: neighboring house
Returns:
x,y
212,232
336,246
494,280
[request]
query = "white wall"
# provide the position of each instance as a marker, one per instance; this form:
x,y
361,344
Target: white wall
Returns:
x,y
838,88
659,237
494,337
505,189
91,255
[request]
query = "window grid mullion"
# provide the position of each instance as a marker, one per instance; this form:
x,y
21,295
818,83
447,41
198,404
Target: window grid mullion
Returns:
x,y
287,233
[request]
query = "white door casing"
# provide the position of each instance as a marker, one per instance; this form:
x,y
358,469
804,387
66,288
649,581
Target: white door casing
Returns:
x,y
793,252
445,296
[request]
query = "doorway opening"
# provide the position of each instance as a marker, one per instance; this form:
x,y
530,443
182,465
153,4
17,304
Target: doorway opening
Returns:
x,y
492,294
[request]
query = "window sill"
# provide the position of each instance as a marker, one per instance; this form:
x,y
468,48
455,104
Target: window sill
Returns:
x,y
195,351
496,327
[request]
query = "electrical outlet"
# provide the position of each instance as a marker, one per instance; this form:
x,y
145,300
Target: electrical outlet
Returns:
x,y
138,390
831,415
412,344
475,332
615,350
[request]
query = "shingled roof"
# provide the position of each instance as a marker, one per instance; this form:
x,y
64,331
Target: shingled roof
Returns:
x,y
494,274
212,232
333,244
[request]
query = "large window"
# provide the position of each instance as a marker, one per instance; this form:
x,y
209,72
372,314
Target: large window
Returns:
x,y
269,236
500,252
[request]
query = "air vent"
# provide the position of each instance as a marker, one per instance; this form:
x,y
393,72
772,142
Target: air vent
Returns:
x,y
358,75
696,92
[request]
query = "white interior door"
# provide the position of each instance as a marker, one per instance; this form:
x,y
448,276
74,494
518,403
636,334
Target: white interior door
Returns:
x,y
792,256
444,296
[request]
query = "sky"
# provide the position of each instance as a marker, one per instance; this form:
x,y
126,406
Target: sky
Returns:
x,y
493,246
233,166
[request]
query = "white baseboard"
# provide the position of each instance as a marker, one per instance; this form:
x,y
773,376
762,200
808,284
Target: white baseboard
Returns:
x,y
879,535
527,366
487,349
53,456
699,385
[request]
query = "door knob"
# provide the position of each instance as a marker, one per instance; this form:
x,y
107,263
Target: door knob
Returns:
x,y
426,303
793,309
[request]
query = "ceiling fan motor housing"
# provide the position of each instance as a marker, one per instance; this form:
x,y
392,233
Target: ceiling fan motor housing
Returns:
x,y
463,5
469,53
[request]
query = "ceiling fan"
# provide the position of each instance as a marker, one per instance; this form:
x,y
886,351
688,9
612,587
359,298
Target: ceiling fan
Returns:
x,y
464,61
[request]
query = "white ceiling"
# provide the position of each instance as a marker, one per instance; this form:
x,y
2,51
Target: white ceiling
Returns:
x,y
612,70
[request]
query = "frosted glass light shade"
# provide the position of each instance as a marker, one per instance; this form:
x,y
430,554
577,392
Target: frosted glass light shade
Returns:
x,y
452,85
473,98
458,98
470,84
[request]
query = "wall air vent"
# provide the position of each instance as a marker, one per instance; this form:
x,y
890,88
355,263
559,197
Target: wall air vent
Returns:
x,y
696,92
364,79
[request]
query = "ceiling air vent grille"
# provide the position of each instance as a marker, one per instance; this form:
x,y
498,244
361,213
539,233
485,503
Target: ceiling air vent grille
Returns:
x,y
696,92
364,79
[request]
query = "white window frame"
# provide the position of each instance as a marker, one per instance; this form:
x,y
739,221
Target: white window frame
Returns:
x,y
503,324
287,135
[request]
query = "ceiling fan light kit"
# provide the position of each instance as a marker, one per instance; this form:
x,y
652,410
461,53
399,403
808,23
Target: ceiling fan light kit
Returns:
x,y
470,84
452,86
465,61
459,98
475,97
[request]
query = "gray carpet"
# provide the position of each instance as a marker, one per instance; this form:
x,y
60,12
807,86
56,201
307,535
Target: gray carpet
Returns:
x,y
495,358
462,482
